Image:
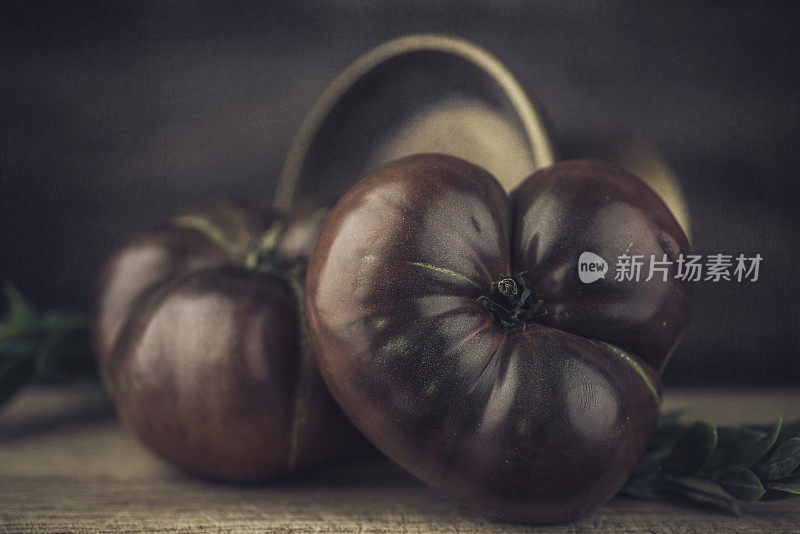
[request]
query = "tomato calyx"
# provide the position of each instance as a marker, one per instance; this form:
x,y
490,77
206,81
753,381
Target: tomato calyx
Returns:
x,y
261,257
512,303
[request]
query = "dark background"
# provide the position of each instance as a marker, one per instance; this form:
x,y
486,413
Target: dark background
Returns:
x,y
115,116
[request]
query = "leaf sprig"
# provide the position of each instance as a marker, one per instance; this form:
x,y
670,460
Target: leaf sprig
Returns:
x,y
52,346
748,462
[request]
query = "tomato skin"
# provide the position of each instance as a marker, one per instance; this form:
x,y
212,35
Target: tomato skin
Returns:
x,y
205,358
609,213
532,423
142,263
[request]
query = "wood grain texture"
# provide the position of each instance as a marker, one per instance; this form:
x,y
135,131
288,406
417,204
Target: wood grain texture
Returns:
x,y
66,465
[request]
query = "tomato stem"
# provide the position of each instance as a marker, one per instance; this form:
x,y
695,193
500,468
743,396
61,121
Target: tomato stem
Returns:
x,y
512,303
262,256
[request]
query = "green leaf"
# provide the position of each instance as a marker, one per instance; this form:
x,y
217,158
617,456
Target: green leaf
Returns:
x,y
18,306
757,451
20,317
692,450
664,438
790,429
782,462
682,490
742,446
788,485
54,346
740,482
729,442
775,495
64,321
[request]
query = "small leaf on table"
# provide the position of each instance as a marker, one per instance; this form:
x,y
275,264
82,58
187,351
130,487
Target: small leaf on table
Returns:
x,y
692,449
678,488
782,462
50,347
757,452
740,482
788,485
742,446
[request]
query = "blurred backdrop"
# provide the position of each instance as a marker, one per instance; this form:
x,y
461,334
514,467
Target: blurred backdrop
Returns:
x,y
114,116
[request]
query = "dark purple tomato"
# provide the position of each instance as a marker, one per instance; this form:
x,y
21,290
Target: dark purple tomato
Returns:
x,y
452,327
201,342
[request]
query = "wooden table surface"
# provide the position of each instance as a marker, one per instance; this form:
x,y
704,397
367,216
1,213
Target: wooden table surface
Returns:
x,y
66,465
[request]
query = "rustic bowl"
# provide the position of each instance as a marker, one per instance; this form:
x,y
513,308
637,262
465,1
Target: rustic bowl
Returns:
x,y
434,93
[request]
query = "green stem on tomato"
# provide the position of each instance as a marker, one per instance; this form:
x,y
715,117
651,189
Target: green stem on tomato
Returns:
x,y
261,257
512,303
